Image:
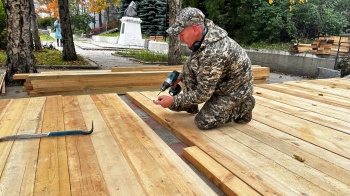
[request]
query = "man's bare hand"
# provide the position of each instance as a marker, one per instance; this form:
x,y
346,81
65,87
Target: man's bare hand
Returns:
x,y
165,101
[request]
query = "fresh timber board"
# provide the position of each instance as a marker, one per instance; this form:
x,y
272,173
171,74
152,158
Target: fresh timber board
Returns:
x,y
298,142
118,80
123,156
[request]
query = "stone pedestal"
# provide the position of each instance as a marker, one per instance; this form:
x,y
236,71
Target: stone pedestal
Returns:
x,y
130,32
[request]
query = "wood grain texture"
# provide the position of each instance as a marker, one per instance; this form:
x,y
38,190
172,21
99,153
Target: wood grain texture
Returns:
x,y
294,145
181,176
119,80
22,161
52,175
223,178
181,125
86,177
110,157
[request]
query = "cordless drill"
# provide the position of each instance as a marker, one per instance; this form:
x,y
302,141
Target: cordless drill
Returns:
x,y
169,81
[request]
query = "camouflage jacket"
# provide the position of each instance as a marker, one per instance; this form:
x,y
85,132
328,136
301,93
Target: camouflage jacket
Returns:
x,y
220,67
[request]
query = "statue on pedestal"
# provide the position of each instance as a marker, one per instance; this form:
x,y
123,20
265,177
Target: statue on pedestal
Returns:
x,y
131,11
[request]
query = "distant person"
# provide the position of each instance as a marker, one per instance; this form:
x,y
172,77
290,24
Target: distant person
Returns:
x,y
58,34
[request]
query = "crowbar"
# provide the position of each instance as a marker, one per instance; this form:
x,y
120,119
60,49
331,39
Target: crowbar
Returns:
x,y
49,134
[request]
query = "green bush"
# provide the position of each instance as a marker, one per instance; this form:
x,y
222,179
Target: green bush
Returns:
x,y
80,23
47,21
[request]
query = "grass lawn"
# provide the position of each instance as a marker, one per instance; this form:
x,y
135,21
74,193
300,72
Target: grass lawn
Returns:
x,y
49,57
147,56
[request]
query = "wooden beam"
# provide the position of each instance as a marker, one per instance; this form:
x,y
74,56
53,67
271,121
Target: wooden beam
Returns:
x,y
21,76
110,157
229,183
147,68
3,89
2,80
52,176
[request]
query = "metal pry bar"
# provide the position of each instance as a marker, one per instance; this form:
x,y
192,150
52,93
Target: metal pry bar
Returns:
x,y
49,134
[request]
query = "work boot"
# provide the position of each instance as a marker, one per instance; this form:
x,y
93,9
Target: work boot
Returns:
x,y
192,109
246,118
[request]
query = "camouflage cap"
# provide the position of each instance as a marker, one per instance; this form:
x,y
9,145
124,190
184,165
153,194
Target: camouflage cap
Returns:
x,y
187,17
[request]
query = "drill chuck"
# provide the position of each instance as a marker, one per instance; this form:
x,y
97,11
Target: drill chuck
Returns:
x,y
166,84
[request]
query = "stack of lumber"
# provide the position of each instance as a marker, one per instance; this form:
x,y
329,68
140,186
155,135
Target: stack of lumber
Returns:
x,y
123,156
296,144
301,48
118,80
156,38
325,46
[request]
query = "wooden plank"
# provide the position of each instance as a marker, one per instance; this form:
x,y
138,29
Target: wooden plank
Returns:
x,y
11,116
258,72
333,83
220,176
150,175
99,75
18,176
297,175
71,71
308,104
261,73
336,124
118,90
133,135
191,135
28,86
147,68
321,88
85,173
259,82
309,94
111,160
52,177
21,76
316,157
100,82
2,80
3,90
316,134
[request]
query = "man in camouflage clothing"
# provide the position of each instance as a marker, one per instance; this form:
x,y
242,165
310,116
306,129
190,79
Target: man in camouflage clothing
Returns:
x,y
218,73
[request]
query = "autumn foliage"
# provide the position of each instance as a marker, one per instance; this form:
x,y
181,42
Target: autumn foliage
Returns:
x,y
51,7
291,3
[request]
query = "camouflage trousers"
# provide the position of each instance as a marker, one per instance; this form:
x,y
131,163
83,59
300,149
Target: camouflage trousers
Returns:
x,y
219,110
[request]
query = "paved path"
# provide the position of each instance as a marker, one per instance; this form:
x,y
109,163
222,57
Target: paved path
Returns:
x,y
101,54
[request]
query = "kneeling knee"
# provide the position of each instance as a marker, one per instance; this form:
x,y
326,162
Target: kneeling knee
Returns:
x,y
203,125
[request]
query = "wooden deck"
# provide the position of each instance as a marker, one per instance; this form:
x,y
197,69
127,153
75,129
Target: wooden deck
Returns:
x,y
298,143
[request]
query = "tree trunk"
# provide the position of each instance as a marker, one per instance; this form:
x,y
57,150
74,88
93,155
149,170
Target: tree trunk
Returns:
x,y
174,55
34,27
20,57
68,52
100,20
